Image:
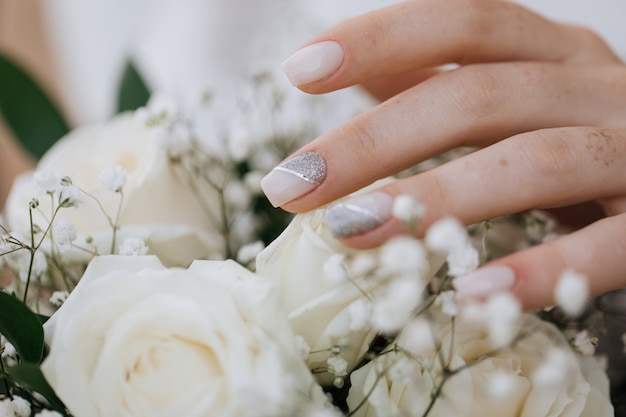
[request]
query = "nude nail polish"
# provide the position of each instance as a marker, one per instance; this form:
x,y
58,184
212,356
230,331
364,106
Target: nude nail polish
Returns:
x,y
294,178
313,62
359,214
484,281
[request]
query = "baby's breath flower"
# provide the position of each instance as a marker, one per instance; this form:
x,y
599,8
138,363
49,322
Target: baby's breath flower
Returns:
x,y
69,196
407,209
337,365
462,260
393,308
360,313
48,413
500,385
582,342
252,181
45,182
58,298
553,369
113,178
446,235
40,264
571,292
237,195
247,253
417,337
21,407
7,408
404,256
404,370
502,312
9,351
133,246
448,303
363,264
64,233
334,269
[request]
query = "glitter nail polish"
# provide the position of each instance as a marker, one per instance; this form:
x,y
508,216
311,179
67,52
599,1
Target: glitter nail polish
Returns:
x,y
359,214
294,178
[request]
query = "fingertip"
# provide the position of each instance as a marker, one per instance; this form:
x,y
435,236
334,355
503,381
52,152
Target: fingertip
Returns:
x,y
313,63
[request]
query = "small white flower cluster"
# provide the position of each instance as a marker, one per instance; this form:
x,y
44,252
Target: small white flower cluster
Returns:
x,y
51,183
448,236
221,147
392,280
15,407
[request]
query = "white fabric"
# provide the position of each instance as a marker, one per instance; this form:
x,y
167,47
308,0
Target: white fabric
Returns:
x,y
183,45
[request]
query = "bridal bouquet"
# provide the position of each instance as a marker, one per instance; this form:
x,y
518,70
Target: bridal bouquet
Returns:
x,y
144,274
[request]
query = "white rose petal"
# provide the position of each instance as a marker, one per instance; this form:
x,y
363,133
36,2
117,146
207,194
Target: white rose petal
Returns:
x,y
157,206
209,340
518,381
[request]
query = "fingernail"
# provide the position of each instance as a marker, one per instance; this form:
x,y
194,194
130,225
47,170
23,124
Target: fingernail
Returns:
x,y
294,178
313,62
359,214
484,281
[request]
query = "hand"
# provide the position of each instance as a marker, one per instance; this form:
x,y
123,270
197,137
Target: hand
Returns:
x,y
544,102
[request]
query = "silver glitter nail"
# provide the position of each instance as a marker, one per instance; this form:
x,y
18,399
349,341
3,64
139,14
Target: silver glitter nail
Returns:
x,y
358,214
309,166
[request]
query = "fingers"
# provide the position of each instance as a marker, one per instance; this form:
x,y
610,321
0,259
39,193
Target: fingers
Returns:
x,y
547,168
597,251
428,33
475,105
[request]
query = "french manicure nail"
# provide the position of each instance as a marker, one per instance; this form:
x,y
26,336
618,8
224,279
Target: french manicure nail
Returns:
x,y
313,62
484,281
294,178
359,214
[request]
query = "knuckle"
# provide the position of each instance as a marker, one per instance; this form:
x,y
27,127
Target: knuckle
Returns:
x,y
550,154
475,91
589,46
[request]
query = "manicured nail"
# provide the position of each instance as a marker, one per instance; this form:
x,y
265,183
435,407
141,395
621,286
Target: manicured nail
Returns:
x,y
294,178
484,281
359,214
313,62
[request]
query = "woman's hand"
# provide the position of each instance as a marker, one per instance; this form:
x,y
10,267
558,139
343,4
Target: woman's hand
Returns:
x,y
544,102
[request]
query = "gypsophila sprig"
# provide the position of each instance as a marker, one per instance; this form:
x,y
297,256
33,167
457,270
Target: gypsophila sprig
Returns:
x,y
113,178
572,292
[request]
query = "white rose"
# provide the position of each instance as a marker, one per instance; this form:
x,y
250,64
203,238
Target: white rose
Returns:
x,y
135,338
510,382
157,207
320,308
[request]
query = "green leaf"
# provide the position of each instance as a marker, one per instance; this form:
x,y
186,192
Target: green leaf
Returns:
x,y
27,110
22,328
133,91
29,375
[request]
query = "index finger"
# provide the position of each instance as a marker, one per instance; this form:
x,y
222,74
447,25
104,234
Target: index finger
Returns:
x,y
426,33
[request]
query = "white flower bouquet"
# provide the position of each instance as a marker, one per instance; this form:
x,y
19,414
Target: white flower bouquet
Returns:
x,y
120,298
